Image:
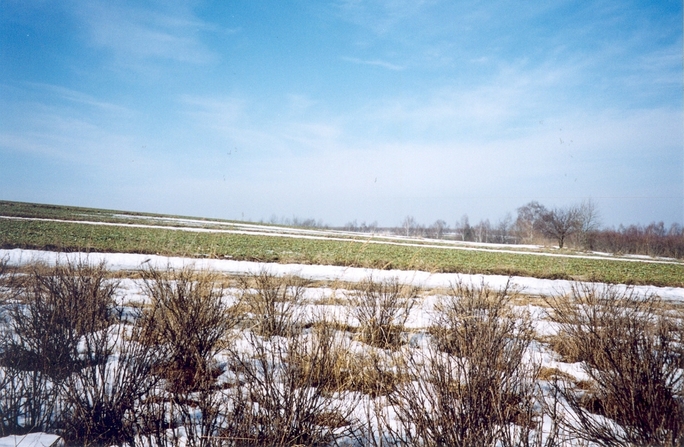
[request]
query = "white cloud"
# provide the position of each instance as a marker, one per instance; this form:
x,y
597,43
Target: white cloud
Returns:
x,y
135,35
375,62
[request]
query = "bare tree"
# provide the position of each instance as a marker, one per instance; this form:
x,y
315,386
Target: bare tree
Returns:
x,y
437,229
464,228
588,220
526,222
482,231
559,223
408,225
503,228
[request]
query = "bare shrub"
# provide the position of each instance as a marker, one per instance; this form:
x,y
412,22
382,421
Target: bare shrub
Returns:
x,y
39,349
6,283
189,318
28,402
337,368
271,301
632,352
189,321
285,395
187,418
104,400
326,362
471,386
382,308
58,306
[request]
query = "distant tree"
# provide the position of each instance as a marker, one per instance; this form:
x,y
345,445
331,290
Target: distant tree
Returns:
x,y
482,231
408,225
437,229
463,227
373,226
588,221
559,223
526,223
503,228
351,226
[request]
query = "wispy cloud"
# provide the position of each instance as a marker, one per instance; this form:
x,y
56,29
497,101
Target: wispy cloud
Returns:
x,y
135,34
75,96
381,16
375,62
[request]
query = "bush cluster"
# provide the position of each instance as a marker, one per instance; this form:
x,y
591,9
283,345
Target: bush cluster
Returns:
x,y
200,364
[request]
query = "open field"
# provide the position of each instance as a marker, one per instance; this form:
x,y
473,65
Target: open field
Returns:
x,y
187,351
76,229
216,333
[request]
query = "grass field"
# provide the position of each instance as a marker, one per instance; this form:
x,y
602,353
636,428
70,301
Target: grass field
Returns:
x,y
73,236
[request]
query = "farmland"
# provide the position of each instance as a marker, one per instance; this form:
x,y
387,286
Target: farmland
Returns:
x,y
85,230
214,330
182,351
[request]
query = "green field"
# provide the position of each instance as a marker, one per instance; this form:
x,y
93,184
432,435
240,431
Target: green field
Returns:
x,y
67,236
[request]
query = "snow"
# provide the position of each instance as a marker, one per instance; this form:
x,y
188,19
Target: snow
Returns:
x,y
320,302
427,280
31,440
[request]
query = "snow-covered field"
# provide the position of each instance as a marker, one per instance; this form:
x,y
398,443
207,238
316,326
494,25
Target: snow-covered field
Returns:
x,y
320,301
129,261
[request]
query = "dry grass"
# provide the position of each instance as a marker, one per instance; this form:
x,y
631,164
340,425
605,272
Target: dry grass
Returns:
x,y
271,301
173,374
189,319
632,352
382,309
471,385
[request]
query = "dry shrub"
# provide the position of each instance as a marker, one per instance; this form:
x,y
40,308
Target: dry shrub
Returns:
x,y
339,369
57,307
326,362
382,308
6,282
285,394
70,366
471,386
40,346
188,319
271,301
104,401
566,347
633,354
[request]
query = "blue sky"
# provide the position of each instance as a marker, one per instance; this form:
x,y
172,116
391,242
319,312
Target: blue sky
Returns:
x,y
342,110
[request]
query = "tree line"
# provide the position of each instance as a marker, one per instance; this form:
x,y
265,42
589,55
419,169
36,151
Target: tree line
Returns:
x,y
577,226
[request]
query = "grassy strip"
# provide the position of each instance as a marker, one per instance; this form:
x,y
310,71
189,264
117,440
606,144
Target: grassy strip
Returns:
x,y
39,210
63,236
59,212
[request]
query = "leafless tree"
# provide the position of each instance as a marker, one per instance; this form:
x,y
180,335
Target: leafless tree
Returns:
x,y
588,220
482,231
408,225
503,228
463,227
525,223
437,229
560,223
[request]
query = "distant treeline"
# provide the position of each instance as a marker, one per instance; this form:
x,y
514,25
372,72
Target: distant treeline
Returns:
x,y
577,226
